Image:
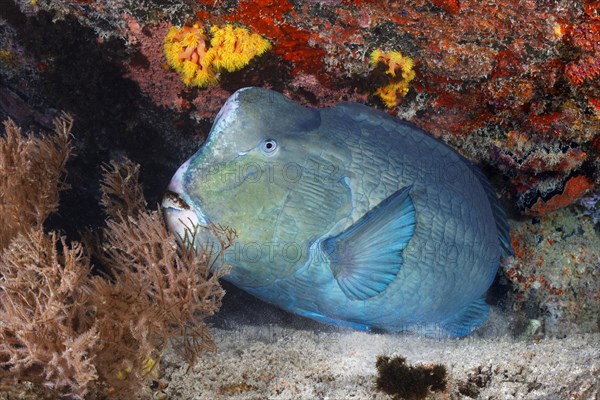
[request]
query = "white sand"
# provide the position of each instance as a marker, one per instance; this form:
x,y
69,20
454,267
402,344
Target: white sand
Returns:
x,y
274,361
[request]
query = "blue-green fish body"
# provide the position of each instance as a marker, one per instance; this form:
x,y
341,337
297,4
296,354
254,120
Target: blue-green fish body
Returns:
x,y
345,214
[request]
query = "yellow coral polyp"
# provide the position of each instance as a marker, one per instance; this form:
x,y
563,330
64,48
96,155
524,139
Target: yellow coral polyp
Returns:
x,y
231,48
389,93
234,47
400,68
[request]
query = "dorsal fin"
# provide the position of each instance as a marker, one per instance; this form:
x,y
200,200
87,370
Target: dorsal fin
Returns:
x,y
367,256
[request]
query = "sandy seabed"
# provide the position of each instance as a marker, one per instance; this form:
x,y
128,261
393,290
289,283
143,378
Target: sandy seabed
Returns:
x,y
279,362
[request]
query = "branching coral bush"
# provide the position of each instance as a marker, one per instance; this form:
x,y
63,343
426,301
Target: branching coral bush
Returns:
x,y
121,192
159,286
78,333
44,336
30,177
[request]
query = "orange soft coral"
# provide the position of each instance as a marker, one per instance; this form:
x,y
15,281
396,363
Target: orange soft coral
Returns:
x,y
231,48
234,47
400,68
185,50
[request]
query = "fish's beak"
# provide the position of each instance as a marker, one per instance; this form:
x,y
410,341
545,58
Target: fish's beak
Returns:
x,y
180,217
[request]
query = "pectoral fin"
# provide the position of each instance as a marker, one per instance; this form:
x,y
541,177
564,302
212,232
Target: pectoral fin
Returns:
x,y
367,256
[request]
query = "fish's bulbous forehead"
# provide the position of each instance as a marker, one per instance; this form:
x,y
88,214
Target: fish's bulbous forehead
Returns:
x,y
253,114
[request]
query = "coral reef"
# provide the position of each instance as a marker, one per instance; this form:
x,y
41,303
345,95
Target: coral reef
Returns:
x,y
592,209
584,70
78,333
574,189
555,273
485,75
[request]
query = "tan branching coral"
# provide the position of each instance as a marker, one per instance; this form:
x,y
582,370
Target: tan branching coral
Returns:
x,y
80,334
157,284
44,337
30,177
121,192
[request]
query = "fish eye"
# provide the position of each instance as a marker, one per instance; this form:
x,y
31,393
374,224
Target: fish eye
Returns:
x,y
268,146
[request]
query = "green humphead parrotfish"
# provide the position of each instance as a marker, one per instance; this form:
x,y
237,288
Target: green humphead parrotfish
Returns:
x,y
345,215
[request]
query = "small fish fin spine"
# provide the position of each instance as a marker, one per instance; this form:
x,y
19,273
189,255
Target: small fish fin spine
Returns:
x,y
499,214
367,256
467,319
